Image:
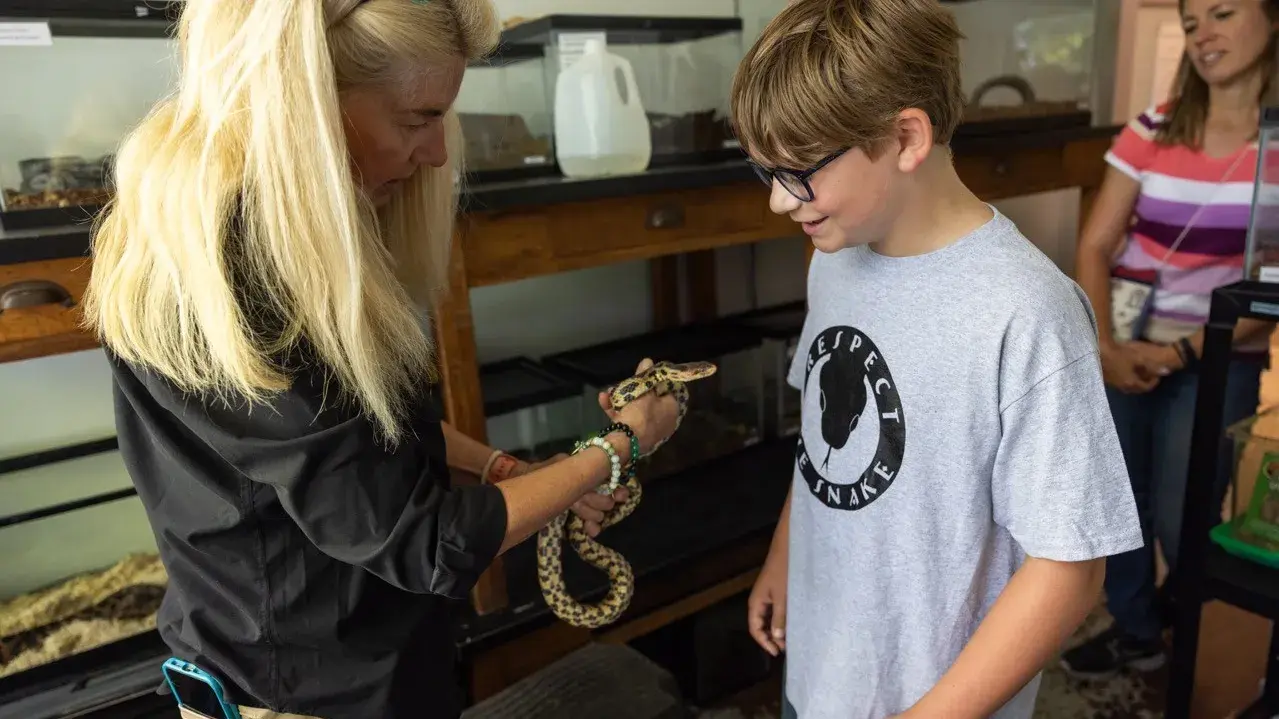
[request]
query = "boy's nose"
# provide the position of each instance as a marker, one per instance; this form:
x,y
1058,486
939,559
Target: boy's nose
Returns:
x,y
781,201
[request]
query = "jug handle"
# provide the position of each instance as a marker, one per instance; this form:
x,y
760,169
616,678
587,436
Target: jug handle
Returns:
x,y
632,87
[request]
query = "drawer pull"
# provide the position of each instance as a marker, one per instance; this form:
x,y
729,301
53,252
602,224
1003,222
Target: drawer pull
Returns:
x,y
33,293
666,217
1001,168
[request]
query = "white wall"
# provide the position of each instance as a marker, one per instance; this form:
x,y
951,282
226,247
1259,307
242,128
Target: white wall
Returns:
x,y
79,96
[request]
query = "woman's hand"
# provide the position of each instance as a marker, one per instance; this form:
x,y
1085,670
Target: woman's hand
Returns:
x,y
1158,359
650,417
592,506
1125,370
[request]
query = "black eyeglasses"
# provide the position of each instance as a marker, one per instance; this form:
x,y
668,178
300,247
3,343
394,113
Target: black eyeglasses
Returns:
x,y
795,181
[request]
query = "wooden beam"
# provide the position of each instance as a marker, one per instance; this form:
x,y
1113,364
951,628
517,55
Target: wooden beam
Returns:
x,y
663,274
685,607
703,285
463,400
455,340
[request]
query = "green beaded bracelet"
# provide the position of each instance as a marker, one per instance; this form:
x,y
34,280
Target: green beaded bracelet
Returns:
x,y
615,462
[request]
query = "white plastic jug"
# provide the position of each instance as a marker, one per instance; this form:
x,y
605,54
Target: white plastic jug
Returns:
x,y
600,125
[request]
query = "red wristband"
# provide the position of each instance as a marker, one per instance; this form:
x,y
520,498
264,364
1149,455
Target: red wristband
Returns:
x,y
501,467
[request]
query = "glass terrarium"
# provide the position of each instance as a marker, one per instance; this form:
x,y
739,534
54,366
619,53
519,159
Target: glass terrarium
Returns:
x,y
755,15
725,411
532,412
77,80
1262,261
505,109
1026,64
780,328
1252,528
683,68
81,578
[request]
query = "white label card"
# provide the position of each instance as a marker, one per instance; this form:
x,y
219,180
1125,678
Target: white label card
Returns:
x,y
27,34
573,44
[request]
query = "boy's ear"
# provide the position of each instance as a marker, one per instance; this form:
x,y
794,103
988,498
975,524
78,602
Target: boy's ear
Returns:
x,y
914,137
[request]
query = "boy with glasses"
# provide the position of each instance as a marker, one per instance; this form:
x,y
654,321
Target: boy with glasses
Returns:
x,y
958,480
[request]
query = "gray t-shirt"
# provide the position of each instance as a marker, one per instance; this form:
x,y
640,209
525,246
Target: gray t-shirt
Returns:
x,y
954,421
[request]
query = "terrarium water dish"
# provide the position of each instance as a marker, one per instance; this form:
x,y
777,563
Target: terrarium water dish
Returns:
x,y
81,613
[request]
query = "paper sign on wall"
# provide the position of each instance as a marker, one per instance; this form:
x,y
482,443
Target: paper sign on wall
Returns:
x,y
29,34
573,44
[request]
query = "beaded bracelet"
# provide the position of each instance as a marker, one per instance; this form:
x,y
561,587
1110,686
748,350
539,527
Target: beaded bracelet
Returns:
x,y
630,433
615,462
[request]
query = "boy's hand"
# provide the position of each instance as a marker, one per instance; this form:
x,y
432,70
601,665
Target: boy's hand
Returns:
x,y
766,608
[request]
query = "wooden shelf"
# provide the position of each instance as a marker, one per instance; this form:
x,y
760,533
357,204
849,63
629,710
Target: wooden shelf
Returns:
x,y
31,332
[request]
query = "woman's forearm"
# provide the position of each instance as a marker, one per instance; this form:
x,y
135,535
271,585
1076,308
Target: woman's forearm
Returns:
x,y
1246,330
1042,605
534,499
464,453
1092,272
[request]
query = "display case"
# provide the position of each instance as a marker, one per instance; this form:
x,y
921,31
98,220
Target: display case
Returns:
x,y
505,109
683,67
534,412
1251,526
779,329
726,410
1026,64
79,75
1262,255
81,580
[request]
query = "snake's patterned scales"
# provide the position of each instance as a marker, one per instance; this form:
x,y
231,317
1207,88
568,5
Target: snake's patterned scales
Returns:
x,y
662,378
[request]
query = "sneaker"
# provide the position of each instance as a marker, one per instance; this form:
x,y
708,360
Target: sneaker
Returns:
x,y
1112,650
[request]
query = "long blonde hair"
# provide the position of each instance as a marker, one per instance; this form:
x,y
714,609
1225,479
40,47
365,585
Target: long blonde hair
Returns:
x,y
242,181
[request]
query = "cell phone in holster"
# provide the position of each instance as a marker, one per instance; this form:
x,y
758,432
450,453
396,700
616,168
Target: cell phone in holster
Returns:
x,y
197,691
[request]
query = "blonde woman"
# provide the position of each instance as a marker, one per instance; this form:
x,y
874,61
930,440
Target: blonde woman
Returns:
x,y
261,283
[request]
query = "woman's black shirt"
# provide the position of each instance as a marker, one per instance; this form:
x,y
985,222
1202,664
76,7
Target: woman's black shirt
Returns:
x,y
310,569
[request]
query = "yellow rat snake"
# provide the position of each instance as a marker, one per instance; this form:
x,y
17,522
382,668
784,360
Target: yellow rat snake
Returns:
x,y
662,378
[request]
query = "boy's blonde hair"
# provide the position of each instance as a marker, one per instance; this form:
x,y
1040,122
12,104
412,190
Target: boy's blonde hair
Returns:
x,y
830,75
236,207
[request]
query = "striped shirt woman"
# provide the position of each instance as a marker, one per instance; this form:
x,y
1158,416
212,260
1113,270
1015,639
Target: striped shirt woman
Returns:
x,y
1180,184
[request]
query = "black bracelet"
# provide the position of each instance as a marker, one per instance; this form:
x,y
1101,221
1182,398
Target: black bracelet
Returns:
x,y
1187,352
630,433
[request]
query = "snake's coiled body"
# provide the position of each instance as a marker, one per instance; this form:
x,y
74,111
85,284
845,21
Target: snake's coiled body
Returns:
x,y
662,378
